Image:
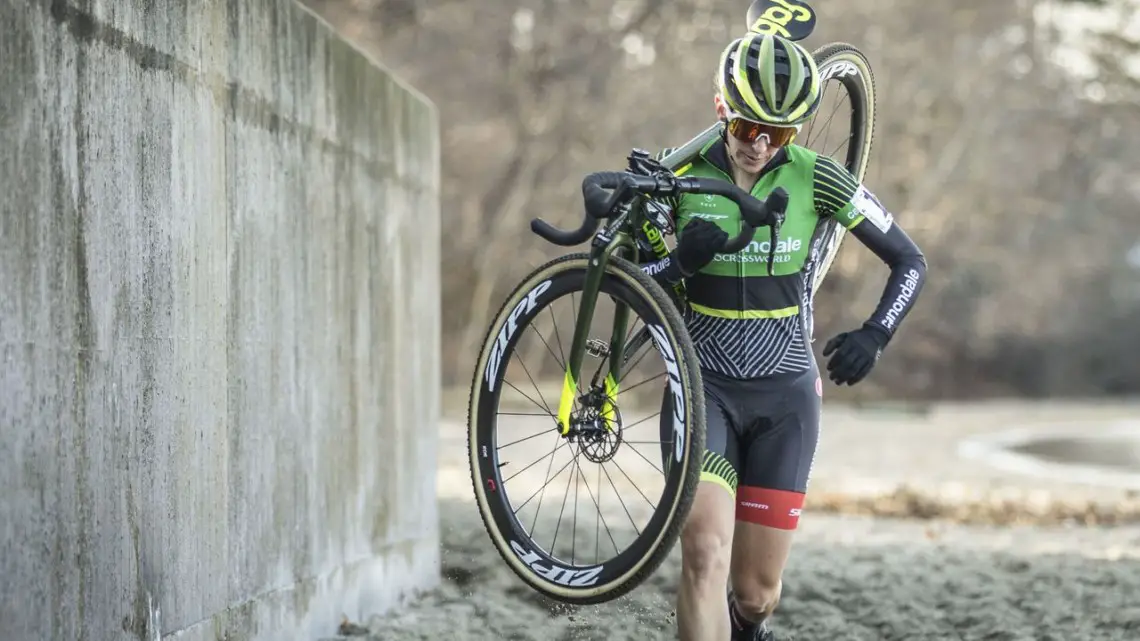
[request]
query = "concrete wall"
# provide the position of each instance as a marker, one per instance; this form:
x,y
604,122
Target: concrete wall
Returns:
x,y
219,299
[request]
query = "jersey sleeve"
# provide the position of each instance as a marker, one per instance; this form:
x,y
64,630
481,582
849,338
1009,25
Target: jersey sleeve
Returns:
x,y
839,195
836,192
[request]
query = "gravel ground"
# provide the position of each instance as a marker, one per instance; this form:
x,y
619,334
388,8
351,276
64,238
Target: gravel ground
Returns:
x,y
902,538
850,577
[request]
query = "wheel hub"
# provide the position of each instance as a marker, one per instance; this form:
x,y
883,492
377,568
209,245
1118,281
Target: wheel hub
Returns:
x,y
598,439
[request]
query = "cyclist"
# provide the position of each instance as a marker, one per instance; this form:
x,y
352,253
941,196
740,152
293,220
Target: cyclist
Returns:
x,y
752,331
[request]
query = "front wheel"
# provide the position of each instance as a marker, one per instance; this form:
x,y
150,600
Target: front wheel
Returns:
x,y
511,473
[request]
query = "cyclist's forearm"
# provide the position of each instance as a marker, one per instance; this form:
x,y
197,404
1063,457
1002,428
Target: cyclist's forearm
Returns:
x,y
908,273
900,294
666,271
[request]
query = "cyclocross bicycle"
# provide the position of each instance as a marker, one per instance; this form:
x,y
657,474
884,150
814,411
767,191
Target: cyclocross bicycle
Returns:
x,y
582,407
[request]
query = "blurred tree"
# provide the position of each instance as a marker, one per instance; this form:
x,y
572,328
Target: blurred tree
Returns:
x,y
1009,166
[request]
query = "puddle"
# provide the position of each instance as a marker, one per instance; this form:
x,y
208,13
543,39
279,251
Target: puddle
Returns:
x,y
1119,452
1108,455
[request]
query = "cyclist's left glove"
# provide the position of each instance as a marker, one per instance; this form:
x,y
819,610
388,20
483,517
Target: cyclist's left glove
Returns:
x,y
854,353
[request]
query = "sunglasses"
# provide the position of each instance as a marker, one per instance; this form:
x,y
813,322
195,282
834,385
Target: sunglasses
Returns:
x,y
749,131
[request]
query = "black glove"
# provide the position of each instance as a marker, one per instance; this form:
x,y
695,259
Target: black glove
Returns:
x,y
855,353
700,242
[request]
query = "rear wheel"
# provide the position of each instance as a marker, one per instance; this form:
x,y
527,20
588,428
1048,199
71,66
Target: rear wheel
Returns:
x,y
843,128
512,472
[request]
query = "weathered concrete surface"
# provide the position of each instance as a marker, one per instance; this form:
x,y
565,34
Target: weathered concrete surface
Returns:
x,y
219,299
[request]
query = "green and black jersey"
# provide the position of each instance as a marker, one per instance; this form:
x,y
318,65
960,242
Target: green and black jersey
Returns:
x,y
746,323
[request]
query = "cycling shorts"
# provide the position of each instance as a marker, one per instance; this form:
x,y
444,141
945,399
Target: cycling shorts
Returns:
x,y
760,442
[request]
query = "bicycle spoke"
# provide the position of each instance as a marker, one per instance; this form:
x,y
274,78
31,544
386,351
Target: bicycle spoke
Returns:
x,y
534,524
610,479
565,495
536,403
525,438
606,525
574,528
843,140
631,331
633,387
640,335
811,123
557,337
540,337
598,521
521,414
822,101
832,114
620,469
828,123
840,146
639,423
638,452
538,391
539,490
649,350
552,453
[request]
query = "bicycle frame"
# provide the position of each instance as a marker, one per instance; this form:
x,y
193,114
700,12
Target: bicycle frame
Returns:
x,y
611,240
608,241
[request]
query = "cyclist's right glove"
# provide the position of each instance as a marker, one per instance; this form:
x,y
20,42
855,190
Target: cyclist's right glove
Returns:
x,y
700,242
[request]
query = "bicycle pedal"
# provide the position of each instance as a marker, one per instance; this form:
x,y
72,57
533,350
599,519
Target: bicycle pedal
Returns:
x,y
597,348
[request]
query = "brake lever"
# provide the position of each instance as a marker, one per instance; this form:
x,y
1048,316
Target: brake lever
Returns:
x,y
640,161
774,226
775,240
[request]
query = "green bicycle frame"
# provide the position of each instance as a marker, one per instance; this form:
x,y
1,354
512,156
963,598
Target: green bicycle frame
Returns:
x,y
600,254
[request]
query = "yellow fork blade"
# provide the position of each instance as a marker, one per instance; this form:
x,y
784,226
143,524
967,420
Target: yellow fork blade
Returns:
x,y
569,391
608,405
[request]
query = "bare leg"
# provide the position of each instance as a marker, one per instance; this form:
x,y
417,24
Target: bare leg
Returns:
x,y
706,550
758,559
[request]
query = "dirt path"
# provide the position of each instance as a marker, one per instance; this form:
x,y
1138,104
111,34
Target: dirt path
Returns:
x,y
1008,557
849,578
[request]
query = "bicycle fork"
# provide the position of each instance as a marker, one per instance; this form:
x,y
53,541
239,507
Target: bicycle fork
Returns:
x,y
595,271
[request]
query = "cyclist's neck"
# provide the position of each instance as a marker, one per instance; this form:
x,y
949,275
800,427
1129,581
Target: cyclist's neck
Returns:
x,y
744,179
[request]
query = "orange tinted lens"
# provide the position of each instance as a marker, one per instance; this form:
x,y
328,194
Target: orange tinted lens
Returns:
x,y
748,131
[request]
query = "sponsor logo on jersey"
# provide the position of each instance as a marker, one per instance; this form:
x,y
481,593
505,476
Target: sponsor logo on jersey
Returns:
x,y
654,268
905,295
704,216
757,252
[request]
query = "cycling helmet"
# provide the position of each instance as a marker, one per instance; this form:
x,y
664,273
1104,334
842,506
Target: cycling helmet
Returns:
x,y
769,79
